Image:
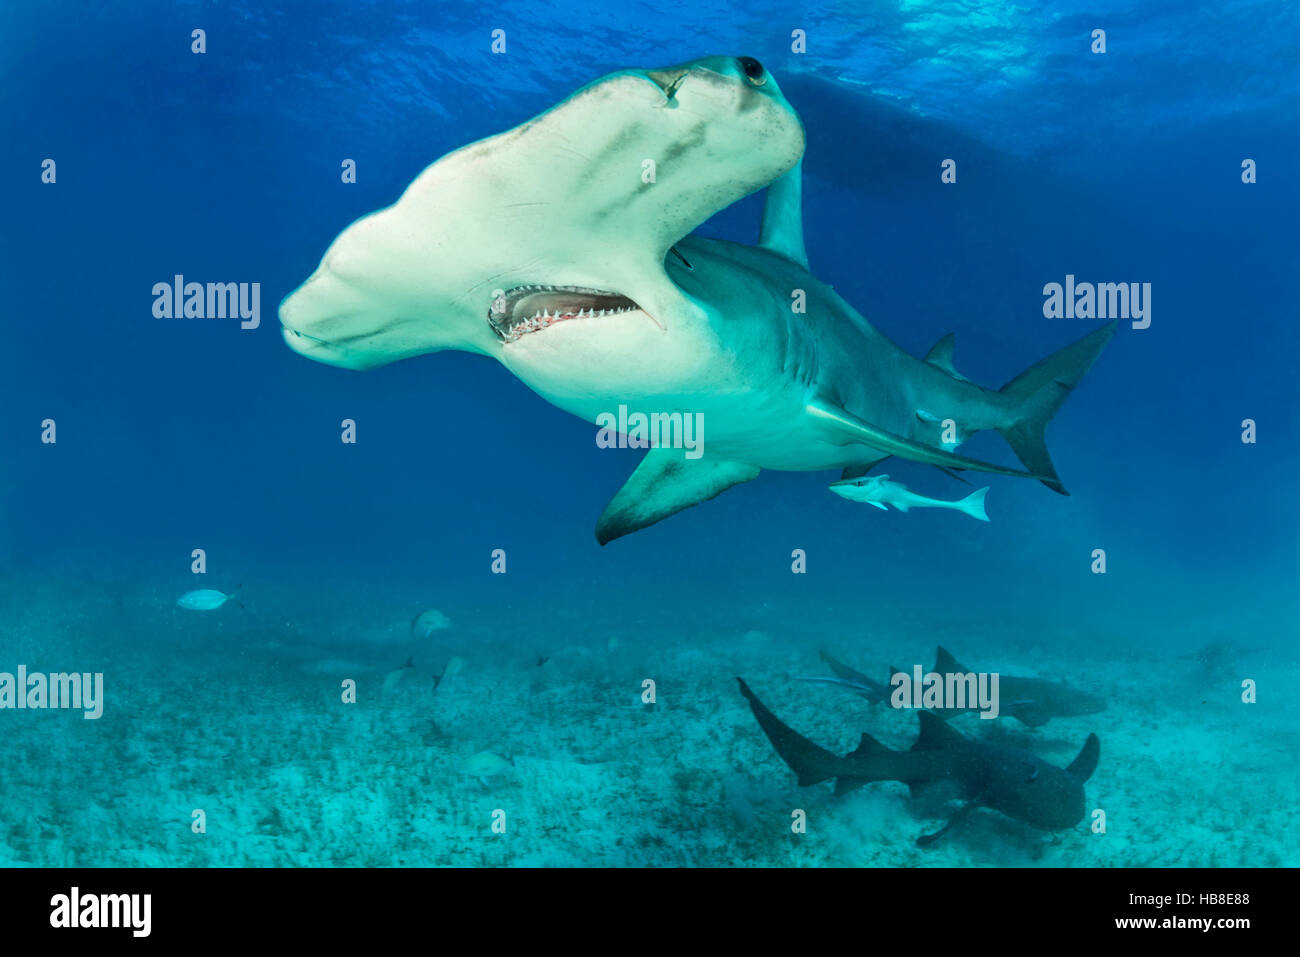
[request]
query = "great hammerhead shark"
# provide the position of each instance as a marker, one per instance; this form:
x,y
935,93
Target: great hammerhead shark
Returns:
x,y
1032,701
1014,781
560,249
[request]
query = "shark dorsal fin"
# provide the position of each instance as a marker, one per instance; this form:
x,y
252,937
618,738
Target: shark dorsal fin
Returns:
x,y
782,229
946,664
935,734
1081,768
940,356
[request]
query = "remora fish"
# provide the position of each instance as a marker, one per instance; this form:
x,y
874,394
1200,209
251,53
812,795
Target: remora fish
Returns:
x,y
851,680
879,491
1032,701
1016,782
561,249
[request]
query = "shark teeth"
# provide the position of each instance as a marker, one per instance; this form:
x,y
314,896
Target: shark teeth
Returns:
x,y
536,306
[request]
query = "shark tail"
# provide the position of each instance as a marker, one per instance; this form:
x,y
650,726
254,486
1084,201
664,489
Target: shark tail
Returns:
x,y
1038,392
973,504
810,762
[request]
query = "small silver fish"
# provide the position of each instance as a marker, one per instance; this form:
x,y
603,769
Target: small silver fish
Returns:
x,y
206,599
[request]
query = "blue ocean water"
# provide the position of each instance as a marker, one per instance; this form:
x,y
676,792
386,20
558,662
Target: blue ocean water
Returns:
x,y
175,435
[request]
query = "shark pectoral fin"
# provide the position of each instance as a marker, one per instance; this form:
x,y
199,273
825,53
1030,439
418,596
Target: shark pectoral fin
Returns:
x,y
663,484
1081,768
848,429
782,229
884,508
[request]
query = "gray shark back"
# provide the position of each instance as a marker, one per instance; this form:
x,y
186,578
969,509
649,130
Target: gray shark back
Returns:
x,y
1031,701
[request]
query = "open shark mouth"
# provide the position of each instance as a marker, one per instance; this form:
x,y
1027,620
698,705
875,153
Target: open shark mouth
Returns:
x,y
525,309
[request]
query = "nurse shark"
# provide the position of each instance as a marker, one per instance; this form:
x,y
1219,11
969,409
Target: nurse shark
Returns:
x,y
1012,780
562,249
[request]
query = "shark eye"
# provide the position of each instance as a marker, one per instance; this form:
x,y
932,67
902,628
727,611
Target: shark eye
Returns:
x,y
753,70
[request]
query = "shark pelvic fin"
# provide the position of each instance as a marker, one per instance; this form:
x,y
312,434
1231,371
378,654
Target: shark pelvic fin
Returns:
x,y
782,229
663,484
850,430
940,356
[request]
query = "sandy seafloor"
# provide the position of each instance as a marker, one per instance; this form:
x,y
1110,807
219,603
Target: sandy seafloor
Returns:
x,y
238,712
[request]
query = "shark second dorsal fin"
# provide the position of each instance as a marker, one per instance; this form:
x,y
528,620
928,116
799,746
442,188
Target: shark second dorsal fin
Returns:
x,y
1081,768
946,664
940,356
935,734
663,484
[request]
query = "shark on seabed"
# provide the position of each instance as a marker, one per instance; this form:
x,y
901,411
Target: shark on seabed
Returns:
x,y
1031,701
1011,780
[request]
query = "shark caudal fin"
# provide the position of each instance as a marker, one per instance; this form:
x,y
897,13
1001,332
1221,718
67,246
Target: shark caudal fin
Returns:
x,y
810,762
973,504
1038,392
1081,768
